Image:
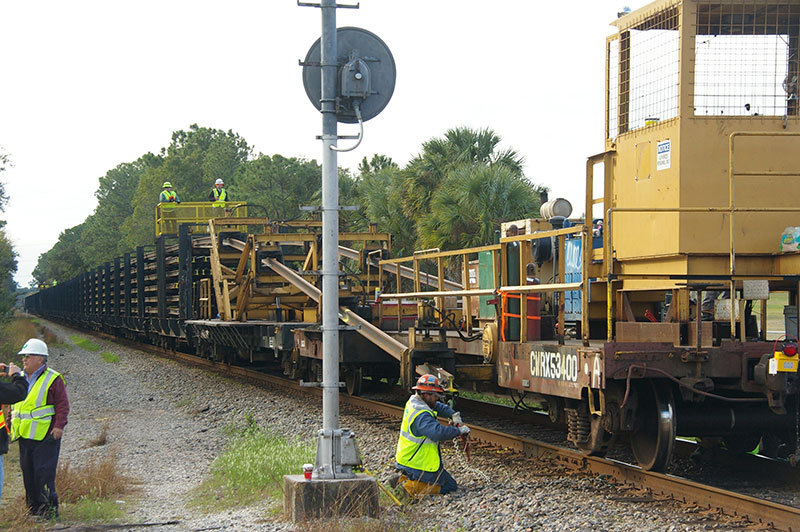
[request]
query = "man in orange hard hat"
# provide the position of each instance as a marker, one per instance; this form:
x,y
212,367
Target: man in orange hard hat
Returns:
x,y
418,454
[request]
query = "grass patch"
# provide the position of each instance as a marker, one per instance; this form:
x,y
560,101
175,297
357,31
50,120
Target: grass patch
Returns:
x,y
92,511
111,358
101,439
403,522
184,401
83,343
98,479
87,494
13,334
251,468
49,337
486,398
14,514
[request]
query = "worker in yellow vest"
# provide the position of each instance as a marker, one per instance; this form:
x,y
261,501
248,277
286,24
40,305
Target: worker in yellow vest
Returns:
x,y
38,423
10,393
219,194
167,194
418,455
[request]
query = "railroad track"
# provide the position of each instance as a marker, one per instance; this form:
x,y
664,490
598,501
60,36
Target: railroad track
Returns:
x,y
778,516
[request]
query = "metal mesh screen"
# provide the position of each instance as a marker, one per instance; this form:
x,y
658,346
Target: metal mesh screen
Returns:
x,y
613,88
746,57
647,74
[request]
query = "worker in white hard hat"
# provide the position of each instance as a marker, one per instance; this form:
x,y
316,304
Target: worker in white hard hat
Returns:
x,y
10,393
219,194
38,423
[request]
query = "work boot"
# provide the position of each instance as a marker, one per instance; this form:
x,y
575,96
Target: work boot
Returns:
x,y
392,479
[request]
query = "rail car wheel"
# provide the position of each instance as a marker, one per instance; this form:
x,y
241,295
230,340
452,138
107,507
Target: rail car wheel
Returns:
x,y
353,379
653,436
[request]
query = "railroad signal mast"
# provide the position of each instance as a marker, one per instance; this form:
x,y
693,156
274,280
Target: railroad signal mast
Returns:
x,y
349,76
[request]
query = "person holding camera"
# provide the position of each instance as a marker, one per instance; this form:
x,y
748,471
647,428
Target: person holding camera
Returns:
x,y
38,423
10,393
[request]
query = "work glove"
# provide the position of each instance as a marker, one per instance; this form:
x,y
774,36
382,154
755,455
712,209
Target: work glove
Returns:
x,y
463,429
456,419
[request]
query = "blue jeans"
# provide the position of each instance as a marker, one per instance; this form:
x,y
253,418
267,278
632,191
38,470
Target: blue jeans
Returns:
x,y
441,477
2,478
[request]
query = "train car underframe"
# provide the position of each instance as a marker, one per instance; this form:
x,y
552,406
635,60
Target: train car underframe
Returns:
x,y
653,392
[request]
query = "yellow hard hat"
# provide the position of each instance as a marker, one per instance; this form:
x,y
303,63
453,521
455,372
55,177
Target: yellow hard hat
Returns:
x,y
166,184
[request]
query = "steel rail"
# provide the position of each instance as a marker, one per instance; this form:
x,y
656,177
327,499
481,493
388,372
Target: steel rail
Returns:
x,y
776,515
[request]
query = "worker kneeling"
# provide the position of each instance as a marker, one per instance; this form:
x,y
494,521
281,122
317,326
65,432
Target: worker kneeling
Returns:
x,y
418,455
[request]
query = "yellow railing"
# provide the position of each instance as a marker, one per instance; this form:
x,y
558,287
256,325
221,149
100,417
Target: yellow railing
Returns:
x,y
170,215
499,264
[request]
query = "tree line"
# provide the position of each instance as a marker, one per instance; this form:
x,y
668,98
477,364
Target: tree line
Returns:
x,y
8,255
453,194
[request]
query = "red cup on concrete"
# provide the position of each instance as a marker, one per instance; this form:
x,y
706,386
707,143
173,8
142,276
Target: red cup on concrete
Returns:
x,y
307,470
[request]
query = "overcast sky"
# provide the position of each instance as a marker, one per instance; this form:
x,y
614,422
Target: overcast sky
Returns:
x,y
87,85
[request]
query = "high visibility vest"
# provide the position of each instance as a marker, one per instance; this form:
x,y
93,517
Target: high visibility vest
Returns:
x,y
3,424
220,196
417,452
31,417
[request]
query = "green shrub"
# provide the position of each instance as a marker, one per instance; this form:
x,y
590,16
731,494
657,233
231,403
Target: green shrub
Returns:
x,y
252,468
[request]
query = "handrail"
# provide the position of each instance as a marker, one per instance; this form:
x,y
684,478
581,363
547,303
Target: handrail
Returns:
x,y
168,216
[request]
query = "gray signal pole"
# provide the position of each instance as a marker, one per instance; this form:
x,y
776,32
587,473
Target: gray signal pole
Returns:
x,y
334,489
352,92
330,242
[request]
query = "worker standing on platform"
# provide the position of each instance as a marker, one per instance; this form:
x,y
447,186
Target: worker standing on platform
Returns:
x,y
10,393
38,423
167,195
218,194
418,455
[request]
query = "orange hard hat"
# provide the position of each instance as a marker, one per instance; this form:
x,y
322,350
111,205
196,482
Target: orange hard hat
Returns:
x,y
428,383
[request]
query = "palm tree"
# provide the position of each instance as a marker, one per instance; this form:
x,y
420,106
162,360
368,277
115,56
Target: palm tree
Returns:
x,y
470,204
459,147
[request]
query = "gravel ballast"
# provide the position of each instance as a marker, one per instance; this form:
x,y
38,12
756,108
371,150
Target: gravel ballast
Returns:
x,y
165,424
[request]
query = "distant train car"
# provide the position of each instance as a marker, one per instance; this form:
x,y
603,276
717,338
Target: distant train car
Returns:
x,y
210,285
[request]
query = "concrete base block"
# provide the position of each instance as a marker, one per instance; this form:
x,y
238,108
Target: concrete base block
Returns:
x,y
315,499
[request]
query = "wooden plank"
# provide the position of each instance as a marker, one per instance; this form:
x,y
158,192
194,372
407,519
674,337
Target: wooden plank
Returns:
x,y
633,331
220,284
248,246
243,296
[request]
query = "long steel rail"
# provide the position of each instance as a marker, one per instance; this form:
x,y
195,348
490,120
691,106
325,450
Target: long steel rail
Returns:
x,y
776,515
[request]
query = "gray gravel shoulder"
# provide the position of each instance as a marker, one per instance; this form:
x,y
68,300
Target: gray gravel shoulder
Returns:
x,y
164,421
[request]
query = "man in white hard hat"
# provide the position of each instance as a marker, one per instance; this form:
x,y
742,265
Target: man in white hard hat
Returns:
x,y
218,194
38,423
10,393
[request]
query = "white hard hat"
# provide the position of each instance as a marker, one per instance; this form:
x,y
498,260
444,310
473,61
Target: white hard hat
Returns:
x,y
34,346
219,182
